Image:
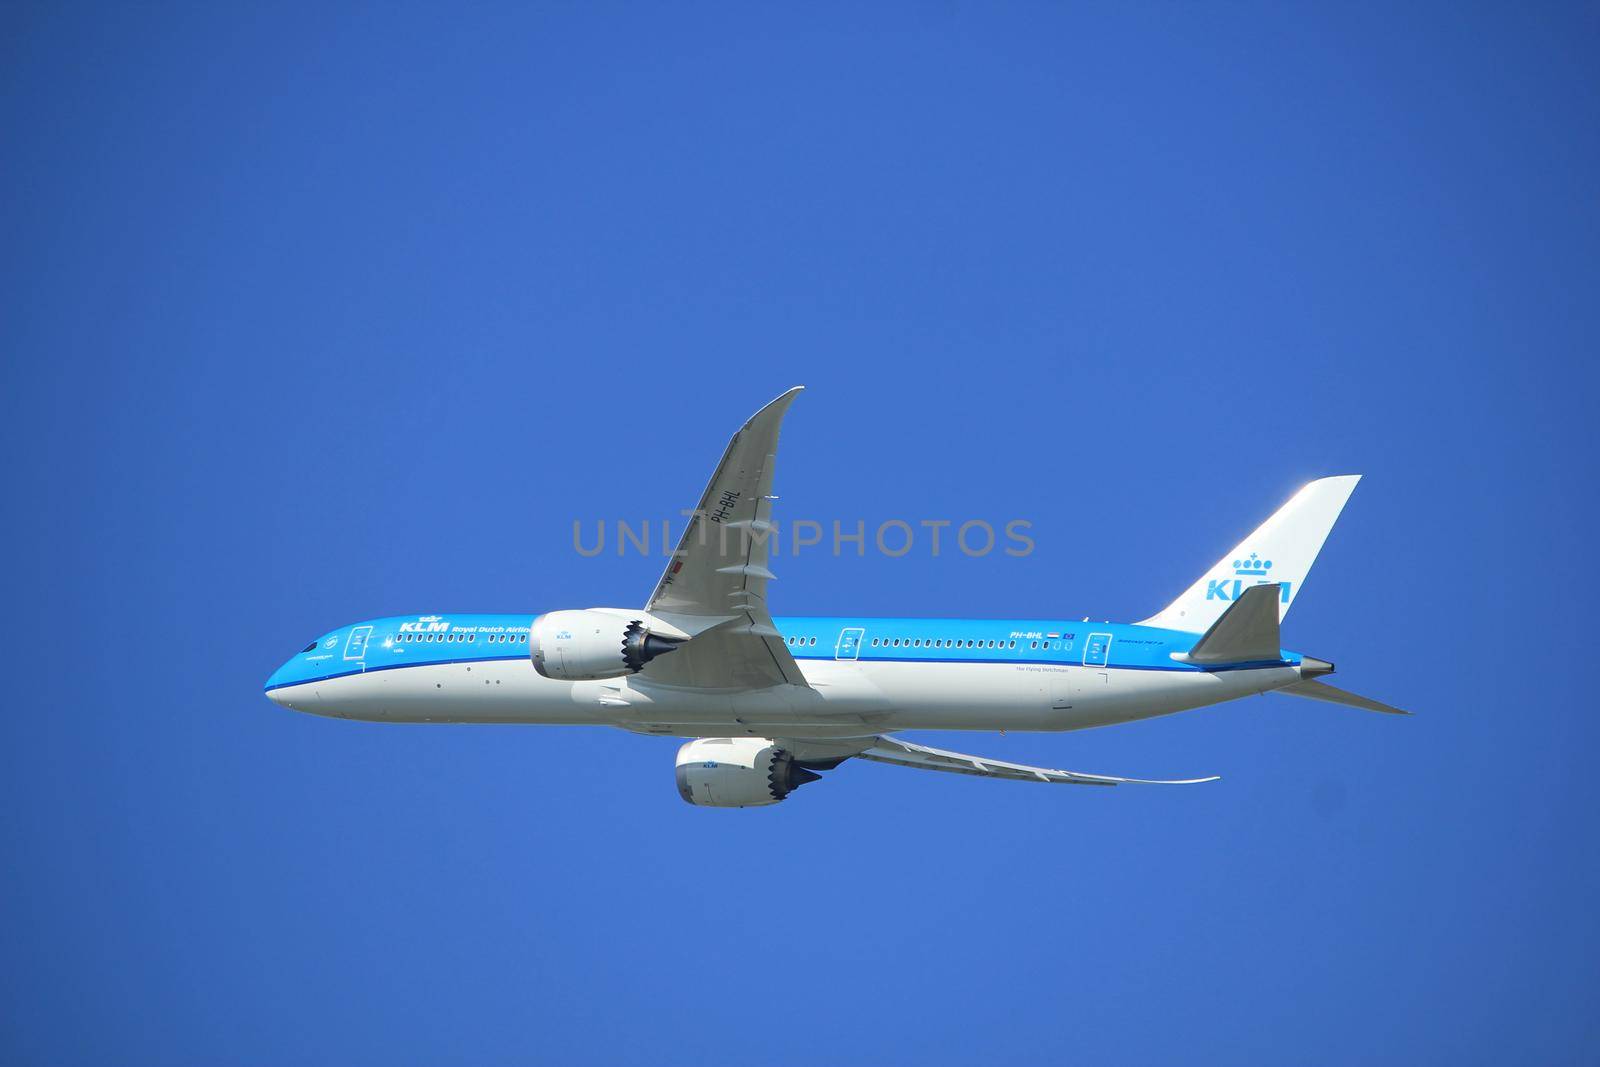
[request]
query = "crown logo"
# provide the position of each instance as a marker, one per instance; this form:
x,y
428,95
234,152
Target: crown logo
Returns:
x,y
1254,565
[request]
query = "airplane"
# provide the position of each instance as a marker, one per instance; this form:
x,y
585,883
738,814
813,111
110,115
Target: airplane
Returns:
x,y
770,704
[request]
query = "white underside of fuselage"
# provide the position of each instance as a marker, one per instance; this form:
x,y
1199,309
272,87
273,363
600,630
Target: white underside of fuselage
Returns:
x,y
845,699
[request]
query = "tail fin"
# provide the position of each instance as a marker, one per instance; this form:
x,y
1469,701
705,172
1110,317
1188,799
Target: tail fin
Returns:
x,y
1280,551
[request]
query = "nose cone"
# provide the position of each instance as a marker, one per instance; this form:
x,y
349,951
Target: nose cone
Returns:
x,y
277,686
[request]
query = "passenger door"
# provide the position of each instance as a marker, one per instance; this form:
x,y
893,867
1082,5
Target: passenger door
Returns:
x,y
1096,650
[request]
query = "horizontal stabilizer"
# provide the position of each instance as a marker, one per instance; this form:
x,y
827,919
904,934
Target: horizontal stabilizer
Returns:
x,y
1246,633
1334,695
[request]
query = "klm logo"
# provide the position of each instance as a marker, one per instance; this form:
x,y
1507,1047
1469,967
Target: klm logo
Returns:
x,y
428,624
1254,565
1247,572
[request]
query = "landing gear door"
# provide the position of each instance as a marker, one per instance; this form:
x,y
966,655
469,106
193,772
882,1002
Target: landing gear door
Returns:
x,y
849,646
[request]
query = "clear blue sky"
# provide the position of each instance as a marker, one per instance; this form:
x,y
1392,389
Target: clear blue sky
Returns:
x,y
314,315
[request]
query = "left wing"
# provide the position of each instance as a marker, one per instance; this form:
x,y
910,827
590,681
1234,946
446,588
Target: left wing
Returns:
x,y
715,586
905,754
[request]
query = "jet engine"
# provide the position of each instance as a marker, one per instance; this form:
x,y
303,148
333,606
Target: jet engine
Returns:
x,y
738,772
586,646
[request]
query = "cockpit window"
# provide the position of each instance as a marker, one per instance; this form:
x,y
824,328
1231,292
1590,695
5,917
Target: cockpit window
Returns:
x,y
312,647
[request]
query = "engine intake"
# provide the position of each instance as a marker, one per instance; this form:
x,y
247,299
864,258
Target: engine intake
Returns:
x,y
738,772
587,646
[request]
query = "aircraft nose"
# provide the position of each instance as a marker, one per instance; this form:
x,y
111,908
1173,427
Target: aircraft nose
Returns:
x,y
276,686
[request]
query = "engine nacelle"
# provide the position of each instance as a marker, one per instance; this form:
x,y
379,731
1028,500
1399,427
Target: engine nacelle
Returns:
x,y
738,772
586,646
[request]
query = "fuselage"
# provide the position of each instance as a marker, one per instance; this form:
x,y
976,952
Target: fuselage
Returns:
x,y
865,675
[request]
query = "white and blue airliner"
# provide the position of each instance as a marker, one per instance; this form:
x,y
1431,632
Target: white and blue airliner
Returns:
x,y
768,703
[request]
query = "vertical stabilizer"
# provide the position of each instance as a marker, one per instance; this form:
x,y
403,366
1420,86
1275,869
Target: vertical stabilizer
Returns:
x,y
1279,552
